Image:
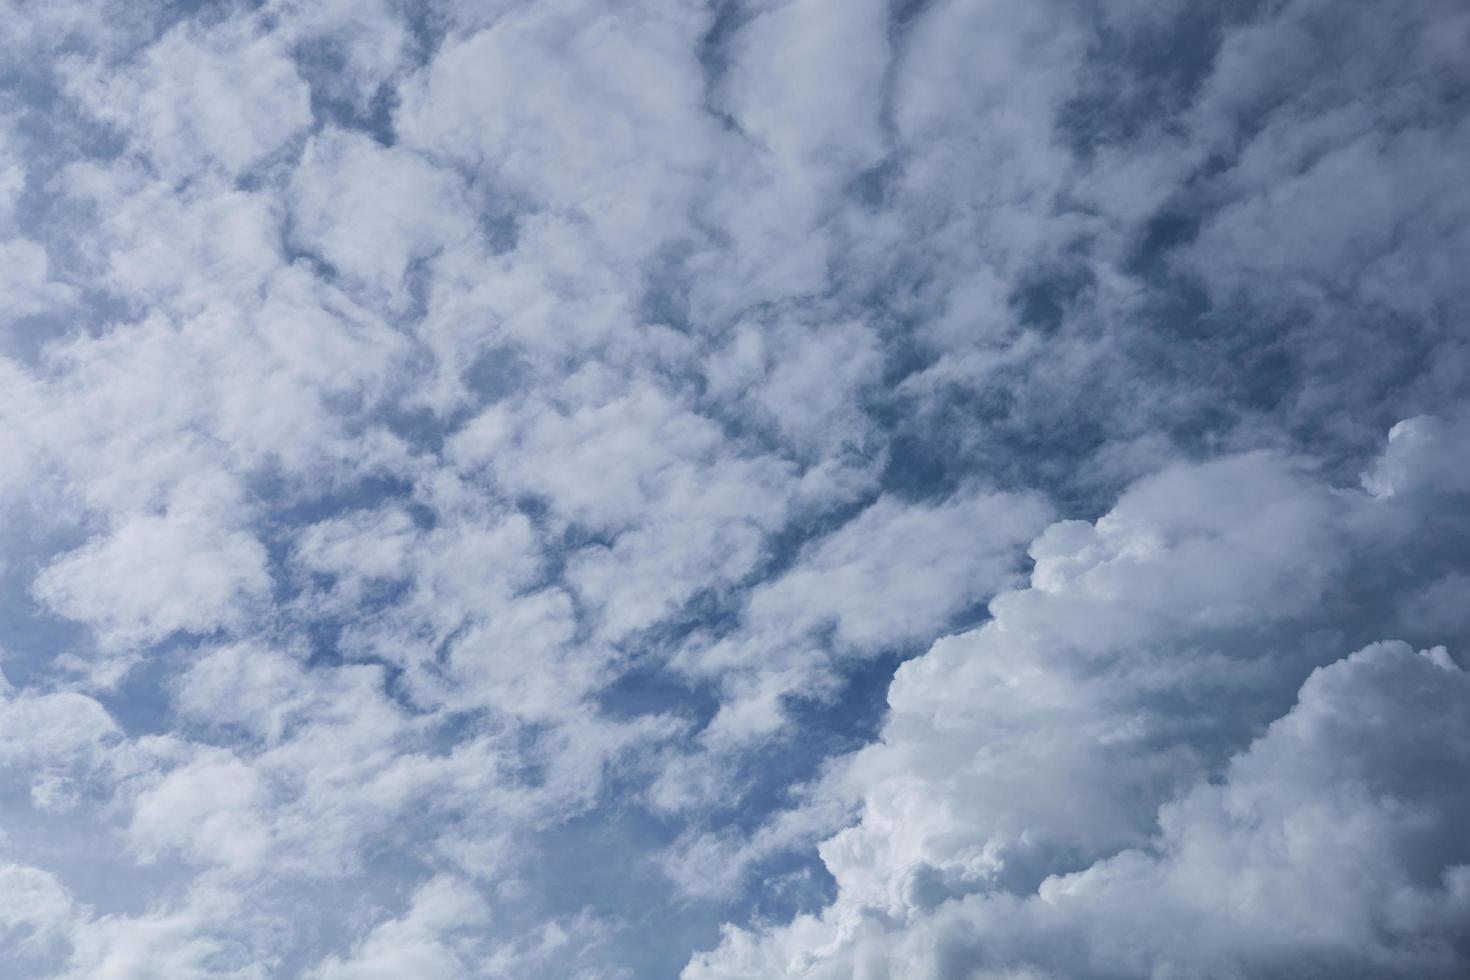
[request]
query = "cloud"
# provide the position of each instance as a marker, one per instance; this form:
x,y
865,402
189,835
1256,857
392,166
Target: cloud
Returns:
x,y
1424,454
676,507
37,910
155,245
155,576
926,562
55,730
504,489
27,287
421,943
223,98
1038,802
604,123
370,210
766,370
176,941
206,809
829,129
1057,711
356,48
1318,851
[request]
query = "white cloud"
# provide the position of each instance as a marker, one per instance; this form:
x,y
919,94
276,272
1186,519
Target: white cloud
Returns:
x,y
489,454
12,179
593,112
173,941
53,731
683,508
1319,851
371,210
207,243
423,943
35,910
768,370
1349,221
26,284
899,571
895,574
157,575
1424,454
361,45
806,82
1073,730
225,97
206,810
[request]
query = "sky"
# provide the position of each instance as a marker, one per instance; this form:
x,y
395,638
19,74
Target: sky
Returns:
x,y
734,489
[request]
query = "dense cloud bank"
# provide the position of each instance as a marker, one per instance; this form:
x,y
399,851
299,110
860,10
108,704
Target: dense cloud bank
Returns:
x,y
1073,789
943,489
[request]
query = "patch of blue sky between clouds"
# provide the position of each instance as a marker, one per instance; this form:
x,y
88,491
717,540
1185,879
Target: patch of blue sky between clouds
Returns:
x,y
747,489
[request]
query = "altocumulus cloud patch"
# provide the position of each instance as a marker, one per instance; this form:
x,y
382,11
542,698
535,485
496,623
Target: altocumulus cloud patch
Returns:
x,y
947,490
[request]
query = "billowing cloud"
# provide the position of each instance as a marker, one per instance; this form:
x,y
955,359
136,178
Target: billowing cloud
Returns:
x,y
776,488
1324,848
1041,800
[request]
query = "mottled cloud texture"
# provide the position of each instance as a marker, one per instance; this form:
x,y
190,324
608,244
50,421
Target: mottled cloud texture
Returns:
x,y
734,489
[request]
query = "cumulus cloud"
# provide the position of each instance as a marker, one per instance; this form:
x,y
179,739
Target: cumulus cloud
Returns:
x,y
155,576
505,489
421,944
27,287
198,99
1424,454
371,211
928,564
1318,852
1037,802
37,908
605,122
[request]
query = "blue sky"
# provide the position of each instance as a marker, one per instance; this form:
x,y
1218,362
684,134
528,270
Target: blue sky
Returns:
x,y
951,489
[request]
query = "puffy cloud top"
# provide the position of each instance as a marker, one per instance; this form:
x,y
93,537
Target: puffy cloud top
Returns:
x,y
779,488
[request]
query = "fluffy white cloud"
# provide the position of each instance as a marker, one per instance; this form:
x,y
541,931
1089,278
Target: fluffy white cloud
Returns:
x,y
209,242
207,810
27,287
372,211
684,509
591,111
805,81
56,733
1424,454
173,941
355,48
37,912
1320,850
226,97
1050,729
420,944
154,576
767,370
1072,731
895,574
470,469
